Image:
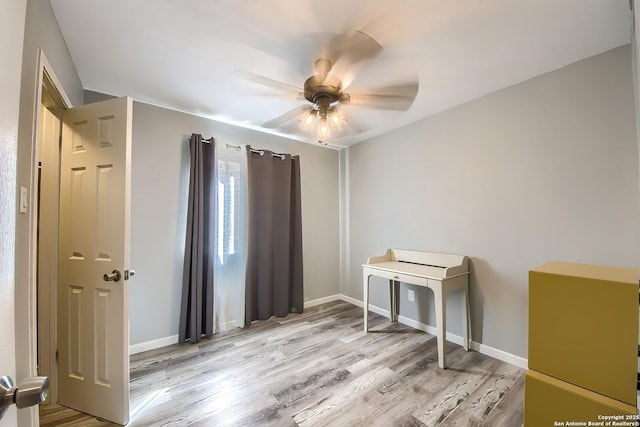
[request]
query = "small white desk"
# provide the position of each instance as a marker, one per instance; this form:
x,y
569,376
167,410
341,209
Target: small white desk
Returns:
x,y
442,273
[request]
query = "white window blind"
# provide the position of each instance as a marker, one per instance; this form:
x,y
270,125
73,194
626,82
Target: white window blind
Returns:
x,y
230,207
230,244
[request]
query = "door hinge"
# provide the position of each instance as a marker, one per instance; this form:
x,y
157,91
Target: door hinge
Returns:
x,y
57,356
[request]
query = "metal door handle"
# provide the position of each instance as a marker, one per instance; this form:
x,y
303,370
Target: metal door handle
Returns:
x,y
31,391
115,276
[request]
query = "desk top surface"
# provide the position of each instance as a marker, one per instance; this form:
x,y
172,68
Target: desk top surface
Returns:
x,y
418,270
422,264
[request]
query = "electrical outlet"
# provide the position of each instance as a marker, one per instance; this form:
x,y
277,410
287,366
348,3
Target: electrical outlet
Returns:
x,y
411,295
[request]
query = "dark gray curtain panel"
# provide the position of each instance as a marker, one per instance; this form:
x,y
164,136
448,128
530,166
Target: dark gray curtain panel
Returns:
x,y
274,260
196,310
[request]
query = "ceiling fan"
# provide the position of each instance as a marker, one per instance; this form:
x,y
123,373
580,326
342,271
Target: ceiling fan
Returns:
x,y
326,92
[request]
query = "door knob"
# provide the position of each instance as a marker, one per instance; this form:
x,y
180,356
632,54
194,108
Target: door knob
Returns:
x,y
115,276
31,391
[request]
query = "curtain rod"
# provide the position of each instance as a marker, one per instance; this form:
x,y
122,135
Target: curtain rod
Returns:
x,y
261,152
281,155
253,150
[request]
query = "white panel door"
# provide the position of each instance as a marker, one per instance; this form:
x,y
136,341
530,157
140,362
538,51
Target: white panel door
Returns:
x,y
93,322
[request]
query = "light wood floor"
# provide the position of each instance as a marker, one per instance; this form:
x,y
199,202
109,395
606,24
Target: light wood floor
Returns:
x,y
316,368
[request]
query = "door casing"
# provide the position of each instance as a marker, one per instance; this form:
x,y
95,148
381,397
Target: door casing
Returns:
x,y
47,81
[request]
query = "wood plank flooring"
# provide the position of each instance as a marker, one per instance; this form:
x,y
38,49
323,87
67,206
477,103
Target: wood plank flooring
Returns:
x,y
316,368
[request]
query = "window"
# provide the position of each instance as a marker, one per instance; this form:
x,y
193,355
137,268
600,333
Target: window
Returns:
x,y
230,207
230,245
229,193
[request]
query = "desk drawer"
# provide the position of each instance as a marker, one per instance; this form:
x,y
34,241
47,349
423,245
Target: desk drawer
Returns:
x,y
400,277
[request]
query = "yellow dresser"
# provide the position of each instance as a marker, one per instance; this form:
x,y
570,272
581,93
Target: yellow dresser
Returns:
x,y
583,344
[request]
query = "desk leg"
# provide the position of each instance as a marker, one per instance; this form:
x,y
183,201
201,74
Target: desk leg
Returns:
x,y
393,300
441,319
396,292
365,291
465,318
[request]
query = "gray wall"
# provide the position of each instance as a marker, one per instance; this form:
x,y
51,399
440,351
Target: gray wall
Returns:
x,y
544,170
160,167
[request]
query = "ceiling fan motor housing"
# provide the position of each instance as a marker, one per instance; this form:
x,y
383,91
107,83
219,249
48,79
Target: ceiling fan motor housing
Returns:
x,y
320,89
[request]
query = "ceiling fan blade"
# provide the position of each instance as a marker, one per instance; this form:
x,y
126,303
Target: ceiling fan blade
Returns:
x,y
352,49
265,81
398,97
382,102
285,118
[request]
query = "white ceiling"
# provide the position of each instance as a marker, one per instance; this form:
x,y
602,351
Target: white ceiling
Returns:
x,y
183,54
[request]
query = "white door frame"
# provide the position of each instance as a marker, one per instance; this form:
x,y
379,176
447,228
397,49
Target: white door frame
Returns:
x,y
42,66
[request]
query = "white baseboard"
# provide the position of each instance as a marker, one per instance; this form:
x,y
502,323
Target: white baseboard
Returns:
x,y
324,300
153,344
518,361
359,303
475,346
163,342
456,339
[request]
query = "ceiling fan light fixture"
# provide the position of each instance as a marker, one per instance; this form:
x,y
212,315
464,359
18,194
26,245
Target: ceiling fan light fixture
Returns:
x,y
324,129
308,122
311,117
323,121
337,121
